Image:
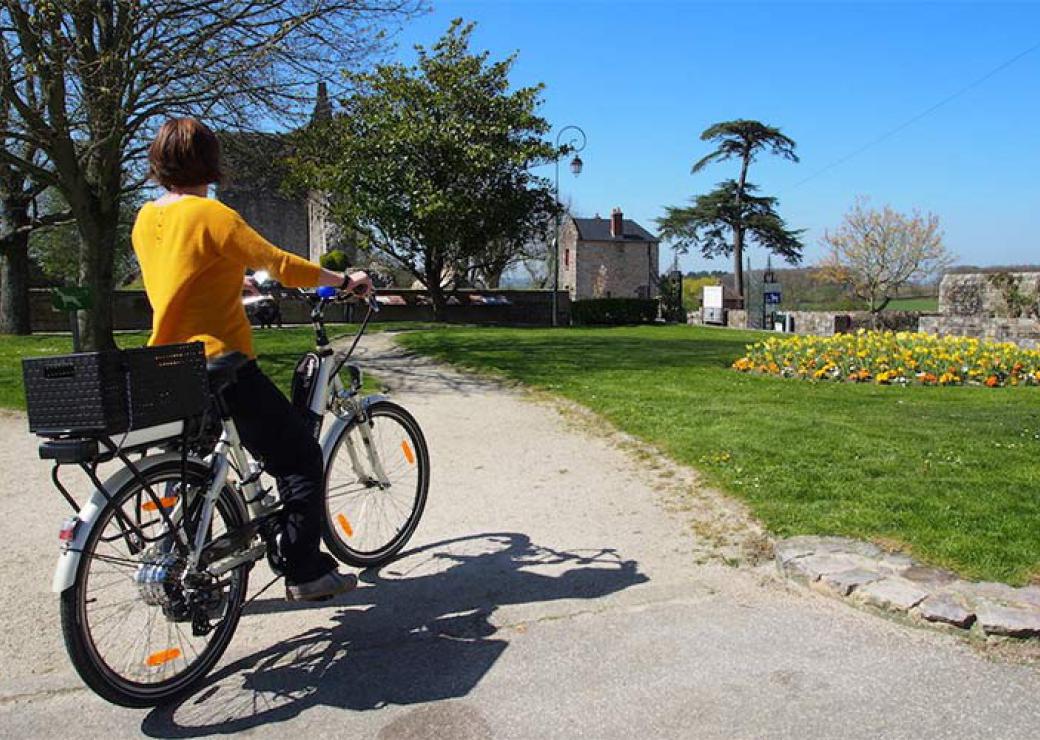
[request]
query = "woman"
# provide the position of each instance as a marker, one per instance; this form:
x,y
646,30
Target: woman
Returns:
x,y
193,253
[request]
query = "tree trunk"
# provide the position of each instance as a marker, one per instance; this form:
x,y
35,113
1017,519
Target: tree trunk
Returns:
x,y
738,263
14,270
98,232
493,277
738,230
434,275
14,285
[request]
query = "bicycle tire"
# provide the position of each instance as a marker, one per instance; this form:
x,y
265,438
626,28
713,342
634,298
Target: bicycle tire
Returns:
x,y
79,642
382,552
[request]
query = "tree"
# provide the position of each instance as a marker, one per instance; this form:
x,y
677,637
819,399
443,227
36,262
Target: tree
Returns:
x,y
713,218
55,246
19,214
742,139
432,163
496,258
108,70
16,198
874,253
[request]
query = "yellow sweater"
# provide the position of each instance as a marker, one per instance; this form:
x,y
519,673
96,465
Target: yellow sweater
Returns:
x,y
193,254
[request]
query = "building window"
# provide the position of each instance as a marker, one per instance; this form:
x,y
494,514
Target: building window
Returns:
x,y
567,258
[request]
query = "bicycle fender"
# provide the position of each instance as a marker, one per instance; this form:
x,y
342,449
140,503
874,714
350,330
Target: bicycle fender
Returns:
x,y
328,440
68,560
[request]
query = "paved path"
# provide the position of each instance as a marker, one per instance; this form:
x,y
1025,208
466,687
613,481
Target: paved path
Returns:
x,y
553,590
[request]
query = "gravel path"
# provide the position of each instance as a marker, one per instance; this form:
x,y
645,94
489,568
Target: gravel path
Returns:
x,y
560,585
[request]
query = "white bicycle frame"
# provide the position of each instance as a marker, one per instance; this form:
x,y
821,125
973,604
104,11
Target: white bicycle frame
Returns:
x,y
345,403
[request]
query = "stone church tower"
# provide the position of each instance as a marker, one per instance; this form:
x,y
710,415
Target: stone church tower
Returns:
x,y
252,185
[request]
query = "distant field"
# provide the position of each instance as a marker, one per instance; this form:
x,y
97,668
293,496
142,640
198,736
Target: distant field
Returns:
x,y
928,304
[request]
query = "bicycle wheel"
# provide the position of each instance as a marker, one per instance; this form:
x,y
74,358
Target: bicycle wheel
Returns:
x,y
368,521
135,636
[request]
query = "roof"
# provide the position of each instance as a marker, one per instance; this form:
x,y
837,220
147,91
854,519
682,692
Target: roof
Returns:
x,y
598,230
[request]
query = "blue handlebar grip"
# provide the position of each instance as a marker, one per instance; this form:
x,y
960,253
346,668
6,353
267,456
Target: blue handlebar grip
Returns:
x,y
326,292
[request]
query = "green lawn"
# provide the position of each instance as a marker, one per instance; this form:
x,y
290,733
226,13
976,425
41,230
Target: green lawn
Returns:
x,y
952,474
926,304
277,349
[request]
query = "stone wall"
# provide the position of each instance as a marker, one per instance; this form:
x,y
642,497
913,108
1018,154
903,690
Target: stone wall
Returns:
x,y
820,323
971,305
974,294
826,323
526,308
1023,332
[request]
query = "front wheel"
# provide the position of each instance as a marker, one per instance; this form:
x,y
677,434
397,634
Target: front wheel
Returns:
x,y
376,481
134,633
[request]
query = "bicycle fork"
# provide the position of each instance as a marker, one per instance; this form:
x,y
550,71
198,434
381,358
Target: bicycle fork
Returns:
x,y
376,465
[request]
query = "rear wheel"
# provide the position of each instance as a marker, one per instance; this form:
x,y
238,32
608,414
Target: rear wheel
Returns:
x,y
135,635
370,514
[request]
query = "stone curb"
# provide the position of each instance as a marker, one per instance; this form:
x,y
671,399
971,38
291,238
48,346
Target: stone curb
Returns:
x,y
863,573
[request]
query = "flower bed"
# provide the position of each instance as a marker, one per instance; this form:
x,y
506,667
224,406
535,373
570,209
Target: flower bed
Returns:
x,y
894,358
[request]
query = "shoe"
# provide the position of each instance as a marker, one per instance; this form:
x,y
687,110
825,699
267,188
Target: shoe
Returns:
x,y
320,589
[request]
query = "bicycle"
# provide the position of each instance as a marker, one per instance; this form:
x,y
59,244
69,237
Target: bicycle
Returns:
x,y
154,568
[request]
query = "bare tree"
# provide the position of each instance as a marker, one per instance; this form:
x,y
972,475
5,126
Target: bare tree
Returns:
x,y
108,70
20,215
876,252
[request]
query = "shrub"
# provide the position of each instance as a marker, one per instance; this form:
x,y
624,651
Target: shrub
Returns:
x,y
334,260
894,358
614,311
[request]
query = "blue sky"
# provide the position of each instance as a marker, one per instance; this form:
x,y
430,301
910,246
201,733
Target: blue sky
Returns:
x,y
643,79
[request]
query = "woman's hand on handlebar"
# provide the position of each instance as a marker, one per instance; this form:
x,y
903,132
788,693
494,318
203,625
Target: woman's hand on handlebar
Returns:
x,y
249,286
358,284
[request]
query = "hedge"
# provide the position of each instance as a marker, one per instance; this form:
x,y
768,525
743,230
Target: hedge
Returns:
x,y
334,260
614,311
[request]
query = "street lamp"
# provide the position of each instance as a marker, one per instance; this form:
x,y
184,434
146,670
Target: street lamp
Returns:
x,y
575,144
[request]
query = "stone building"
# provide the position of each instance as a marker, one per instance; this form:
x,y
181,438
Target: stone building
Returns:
x,y
252,185
607,258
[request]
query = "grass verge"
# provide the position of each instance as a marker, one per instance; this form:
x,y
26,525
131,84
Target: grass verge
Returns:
x,y
277,350
950,474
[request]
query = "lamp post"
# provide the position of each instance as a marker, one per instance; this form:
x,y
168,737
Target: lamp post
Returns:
x,y
575,144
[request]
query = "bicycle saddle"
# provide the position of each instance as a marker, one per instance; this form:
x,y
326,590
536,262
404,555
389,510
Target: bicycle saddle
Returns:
x,y
223,370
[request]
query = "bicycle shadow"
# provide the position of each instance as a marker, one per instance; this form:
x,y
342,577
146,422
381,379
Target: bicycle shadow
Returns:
x,y
422,632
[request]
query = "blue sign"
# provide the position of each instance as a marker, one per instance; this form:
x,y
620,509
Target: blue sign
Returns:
x,y
772,298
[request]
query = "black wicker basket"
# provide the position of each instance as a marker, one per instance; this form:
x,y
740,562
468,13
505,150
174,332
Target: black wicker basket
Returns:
x,y
115,391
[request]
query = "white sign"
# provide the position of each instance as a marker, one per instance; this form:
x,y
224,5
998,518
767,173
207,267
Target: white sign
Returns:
x,y
713,296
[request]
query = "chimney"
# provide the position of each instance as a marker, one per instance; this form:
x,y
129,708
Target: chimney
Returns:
x,y
617,224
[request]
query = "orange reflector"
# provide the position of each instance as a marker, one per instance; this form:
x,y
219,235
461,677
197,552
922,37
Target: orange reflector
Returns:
x,y
163,656
408,454
167,502
344,525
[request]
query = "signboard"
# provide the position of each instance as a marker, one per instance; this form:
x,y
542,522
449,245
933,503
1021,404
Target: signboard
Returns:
x,y
771,293
772,298
71,298
713,296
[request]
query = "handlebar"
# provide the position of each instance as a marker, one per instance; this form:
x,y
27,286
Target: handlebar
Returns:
x,y
318,297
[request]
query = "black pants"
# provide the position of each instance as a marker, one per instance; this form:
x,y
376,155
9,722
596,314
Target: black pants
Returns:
x,y
275,433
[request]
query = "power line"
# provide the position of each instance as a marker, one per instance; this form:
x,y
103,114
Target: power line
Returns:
x,y
911,121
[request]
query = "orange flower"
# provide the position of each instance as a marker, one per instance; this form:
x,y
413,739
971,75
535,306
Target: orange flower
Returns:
x,y
992,381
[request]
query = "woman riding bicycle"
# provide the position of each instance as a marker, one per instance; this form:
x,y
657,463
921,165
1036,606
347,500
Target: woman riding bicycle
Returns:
x,y
193,252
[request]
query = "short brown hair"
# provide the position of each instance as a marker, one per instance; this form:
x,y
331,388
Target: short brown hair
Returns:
x,y
185,153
